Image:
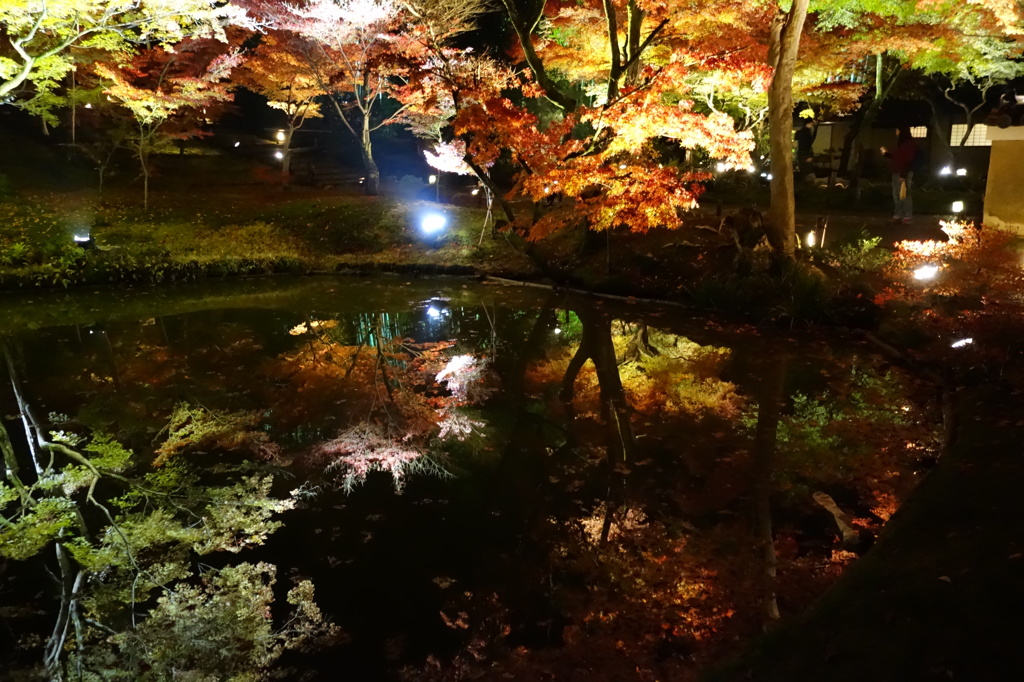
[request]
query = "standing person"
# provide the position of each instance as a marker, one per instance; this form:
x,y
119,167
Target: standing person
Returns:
x,y
901,165
805,149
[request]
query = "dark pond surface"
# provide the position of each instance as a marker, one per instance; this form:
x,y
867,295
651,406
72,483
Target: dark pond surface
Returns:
x,y
479,480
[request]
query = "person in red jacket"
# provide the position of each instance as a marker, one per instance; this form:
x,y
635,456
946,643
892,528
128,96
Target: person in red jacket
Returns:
x,y
901,164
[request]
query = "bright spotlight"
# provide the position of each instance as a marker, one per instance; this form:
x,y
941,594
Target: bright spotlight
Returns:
x,y
433,313
961,343
476,190
926,272
278,155
88,106
237,143
946,170
961,172
432,179
432,223
812,239
558,330
958,207
751,169
720,167
770,176
280,136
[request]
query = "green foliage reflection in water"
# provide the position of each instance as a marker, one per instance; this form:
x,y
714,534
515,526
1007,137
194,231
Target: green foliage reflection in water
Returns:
x,y
133,604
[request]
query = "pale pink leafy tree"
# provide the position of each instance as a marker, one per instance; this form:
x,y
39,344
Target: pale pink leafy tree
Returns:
x,y
410,437
354,49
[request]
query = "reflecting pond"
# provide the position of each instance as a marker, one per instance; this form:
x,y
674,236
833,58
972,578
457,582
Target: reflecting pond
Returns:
x,y
425,479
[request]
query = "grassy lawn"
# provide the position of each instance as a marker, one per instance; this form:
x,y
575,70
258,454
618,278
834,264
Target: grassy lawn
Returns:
x,y
188,235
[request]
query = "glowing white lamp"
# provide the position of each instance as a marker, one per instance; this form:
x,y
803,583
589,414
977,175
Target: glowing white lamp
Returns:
x,y
961,172
958,207
433,313
961,343
558,330
812,239
280,136
81,238
946,170
720,167
237,143
926,272
88,106
432,223
432,179
278,155
476,190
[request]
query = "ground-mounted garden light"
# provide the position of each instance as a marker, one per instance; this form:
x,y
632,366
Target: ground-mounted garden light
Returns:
x,y
279,155
946,170
926,272
961,172
957,207
280,136
811,239
432,225
83,240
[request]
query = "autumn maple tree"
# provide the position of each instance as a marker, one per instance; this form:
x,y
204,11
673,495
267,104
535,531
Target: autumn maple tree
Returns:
x,y
35,53
361,51
278,70
169,93
585,147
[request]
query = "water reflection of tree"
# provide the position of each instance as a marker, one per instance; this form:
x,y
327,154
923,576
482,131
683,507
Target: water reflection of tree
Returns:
x,y
122,545
664,498
394,401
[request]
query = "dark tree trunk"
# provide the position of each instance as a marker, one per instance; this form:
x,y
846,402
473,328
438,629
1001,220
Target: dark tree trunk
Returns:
x,y
784,46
